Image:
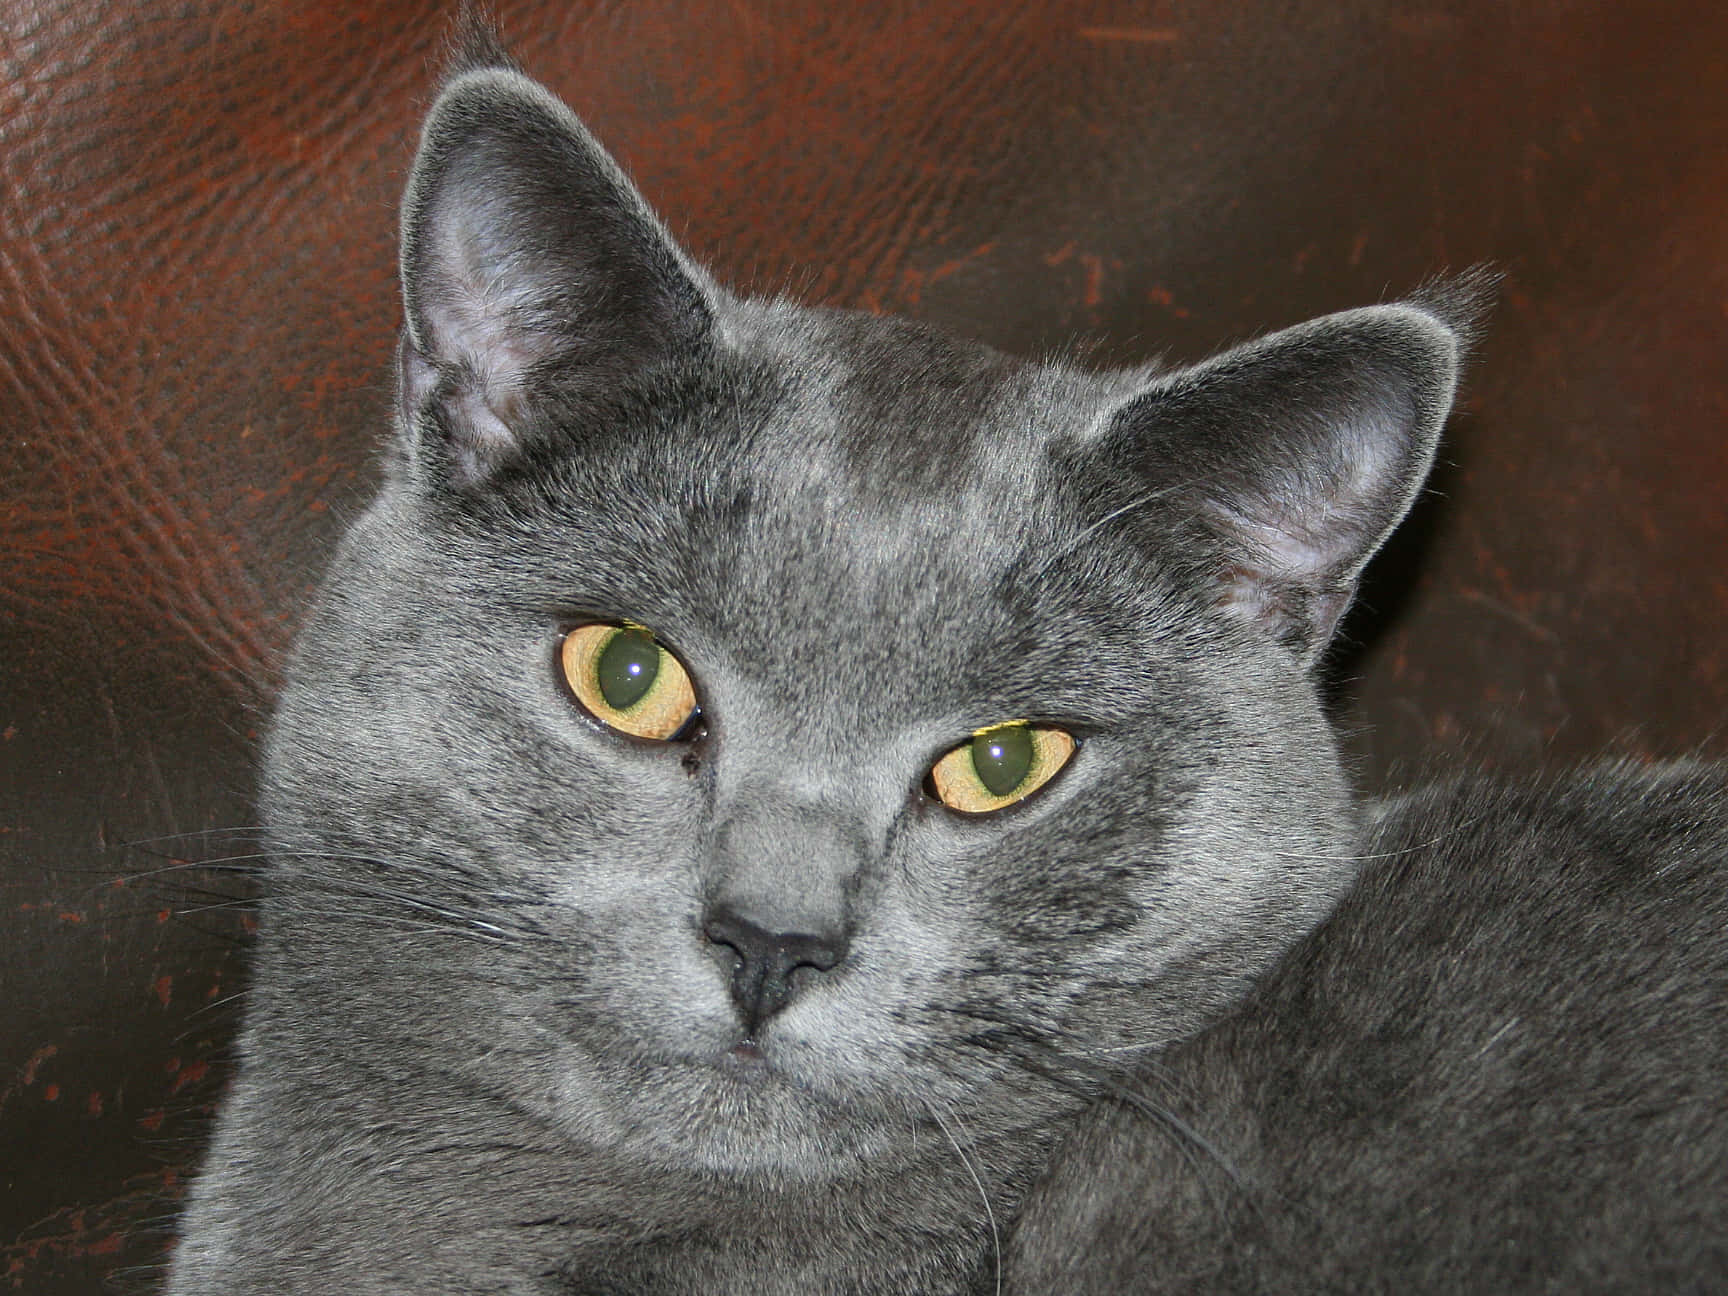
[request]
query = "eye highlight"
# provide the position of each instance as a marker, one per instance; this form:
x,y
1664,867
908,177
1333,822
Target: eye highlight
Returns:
x,y
1000,765
627,681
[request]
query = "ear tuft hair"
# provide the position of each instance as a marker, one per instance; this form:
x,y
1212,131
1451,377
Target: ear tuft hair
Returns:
x,y
1462,302
473,43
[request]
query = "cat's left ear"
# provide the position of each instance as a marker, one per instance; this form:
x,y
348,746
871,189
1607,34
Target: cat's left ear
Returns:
x,y
1284,464
530,266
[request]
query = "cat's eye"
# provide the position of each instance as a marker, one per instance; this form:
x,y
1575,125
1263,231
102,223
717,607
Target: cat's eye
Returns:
x,y
1000,765
626,680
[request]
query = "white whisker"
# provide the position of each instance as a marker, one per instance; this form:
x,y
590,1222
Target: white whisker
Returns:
x,y
989,1211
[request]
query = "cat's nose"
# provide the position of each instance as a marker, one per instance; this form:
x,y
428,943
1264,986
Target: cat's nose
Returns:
x,y
762,980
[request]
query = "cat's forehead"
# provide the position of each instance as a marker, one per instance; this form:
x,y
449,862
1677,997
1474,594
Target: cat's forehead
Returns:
x,y
903,428
905,506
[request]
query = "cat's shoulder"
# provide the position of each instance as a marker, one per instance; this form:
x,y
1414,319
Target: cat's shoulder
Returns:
x,y
1596,898
1614,833
1626,802
1495,1066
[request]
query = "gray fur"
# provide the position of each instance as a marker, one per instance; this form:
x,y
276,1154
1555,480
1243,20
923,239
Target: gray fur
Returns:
x,y
1497,1067
489,1048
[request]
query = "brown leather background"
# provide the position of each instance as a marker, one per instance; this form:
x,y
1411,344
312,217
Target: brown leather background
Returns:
x,y
197,308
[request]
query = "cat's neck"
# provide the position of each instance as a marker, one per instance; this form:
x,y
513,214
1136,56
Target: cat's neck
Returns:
x,y
933,1223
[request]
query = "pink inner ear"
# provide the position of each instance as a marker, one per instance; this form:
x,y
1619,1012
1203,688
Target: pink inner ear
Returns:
x,y
1303,538
1302,542
1298,615
482,421
478,324
1295,579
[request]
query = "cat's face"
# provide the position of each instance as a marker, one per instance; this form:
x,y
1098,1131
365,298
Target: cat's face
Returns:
x,y
862,544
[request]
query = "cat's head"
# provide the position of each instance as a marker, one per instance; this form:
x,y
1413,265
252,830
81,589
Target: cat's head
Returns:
x,y
739,733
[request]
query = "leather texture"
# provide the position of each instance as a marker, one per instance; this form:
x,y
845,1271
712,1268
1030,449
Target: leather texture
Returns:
x,y
196,270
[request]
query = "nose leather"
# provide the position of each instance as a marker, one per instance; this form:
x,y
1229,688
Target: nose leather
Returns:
x,y
762,977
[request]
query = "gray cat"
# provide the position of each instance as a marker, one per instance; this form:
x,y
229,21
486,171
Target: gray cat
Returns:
x,y
780,801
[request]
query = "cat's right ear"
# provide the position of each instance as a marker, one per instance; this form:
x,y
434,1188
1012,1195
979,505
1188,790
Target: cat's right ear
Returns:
x,y
1284,464
530,266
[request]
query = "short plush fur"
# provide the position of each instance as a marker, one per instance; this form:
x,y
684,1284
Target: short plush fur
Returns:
x,y
1219,1027
1496,1067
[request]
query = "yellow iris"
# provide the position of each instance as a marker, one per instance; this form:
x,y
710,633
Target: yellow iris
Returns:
x,y
627,681
1001,765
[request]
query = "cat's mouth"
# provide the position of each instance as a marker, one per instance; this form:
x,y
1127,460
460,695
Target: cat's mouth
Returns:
x,y
751,1061
746,1053
754,1067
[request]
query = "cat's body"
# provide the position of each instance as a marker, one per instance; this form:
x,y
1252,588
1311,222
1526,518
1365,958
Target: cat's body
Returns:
x,y
548,1001
1497,1067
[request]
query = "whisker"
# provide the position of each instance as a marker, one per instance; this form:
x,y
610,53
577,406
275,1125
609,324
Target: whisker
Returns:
x,y
1416,848
140,842
989,1211
226,865
1073,546
1036,1049
213,907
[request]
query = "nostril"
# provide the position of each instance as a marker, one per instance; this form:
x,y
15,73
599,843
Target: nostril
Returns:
x,y
745,939
820,952
722,929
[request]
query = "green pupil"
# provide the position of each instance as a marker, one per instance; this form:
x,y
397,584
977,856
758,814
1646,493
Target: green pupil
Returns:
x,y
627,668
1003,758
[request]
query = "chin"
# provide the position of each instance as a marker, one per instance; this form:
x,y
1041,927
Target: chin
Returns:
x,y
738,1113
